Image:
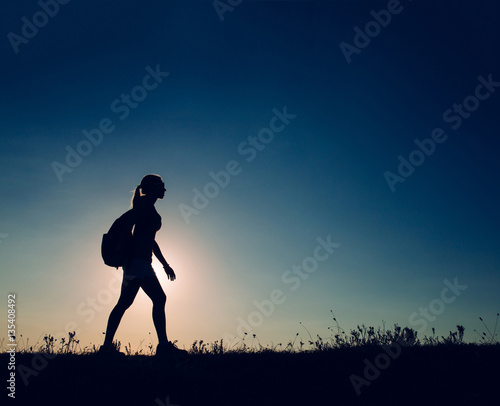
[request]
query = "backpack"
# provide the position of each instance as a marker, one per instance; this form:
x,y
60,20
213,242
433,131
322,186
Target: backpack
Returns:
x,y
117,243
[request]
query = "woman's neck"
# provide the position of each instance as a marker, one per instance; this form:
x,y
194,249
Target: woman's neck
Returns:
x,y
147,201
150,200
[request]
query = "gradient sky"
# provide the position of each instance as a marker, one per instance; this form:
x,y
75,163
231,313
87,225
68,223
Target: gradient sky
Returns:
x,y
322,175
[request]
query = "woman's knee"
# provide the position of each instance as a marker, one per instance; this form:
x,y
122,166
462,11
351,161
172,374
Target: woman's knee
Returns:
x,y
125,301
127,294
160,299
163,298
123,304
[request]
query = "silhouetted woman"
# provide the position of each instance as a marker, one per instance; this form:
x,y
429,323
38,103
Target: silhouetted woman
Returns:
x,y
138,273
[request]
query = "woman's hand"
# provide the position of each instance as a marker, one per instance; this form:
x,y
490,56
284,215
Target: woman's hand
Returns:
x,y
169,271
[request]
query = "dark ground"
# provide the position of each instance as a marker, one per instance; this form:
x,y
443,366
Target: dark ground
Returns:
x,y
437,375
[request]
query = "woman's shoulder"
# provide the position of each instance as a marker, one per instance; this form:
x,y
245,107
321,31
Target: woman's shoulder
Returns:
x,y
144,208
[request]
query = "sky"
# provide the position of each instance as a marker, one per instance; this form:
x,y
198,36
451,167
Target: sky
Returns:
x,y
319,157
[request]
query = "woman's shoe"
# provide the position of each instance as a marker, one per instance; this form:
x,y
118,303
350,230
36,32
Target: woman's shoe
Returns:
x,y
169,348
109,350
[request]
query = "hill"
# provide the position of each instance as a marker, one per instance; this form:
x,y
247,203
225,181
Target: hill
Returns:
x,y
461,374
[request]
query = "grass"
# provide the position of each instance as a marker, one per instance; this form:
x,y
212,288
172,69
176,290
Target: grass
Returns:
x,y
339,339
432,370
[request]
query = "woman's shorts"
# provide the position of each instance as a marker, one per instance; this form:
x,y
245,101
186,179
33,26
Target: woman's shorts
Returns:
x,y
138,268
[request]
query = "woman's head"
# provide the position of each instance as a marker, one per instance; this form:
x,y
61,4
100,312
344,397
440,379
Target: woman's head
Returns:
x,y
150,186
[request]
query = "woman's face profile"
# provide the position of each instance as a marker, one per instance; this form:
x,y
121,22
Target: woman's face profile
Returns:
x,y
159,190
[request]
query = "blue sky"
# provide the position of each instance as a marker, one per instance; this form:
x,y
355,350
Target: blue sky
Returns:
x,y
322,175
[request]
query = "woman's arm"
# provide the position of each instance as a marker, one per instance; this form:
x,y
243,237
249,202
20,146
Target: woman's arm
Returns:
x,y
168,270
158,254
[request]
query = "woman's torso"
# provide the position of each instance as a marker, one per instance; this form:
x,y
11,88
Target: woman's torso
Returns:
x,y
147,224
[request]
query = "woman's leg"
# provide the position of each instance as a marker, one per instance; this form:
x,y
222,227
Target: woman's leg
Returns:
x,y
128,292
153,289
